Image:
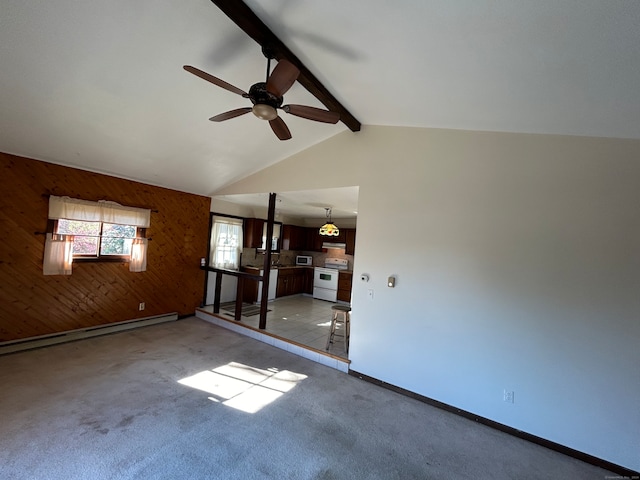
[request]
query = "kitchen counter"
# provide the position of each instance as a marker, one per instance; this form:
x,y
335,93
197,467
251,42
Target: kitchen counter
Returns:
x,y
276,267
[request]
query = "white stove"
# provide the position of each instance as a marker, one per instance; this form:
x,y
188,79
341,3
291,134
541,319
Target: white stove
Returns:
x,y
325,279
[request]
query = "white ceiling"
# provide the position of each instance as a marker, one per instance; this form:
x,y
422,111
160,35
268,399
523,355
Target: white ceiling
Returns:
x,y
100,85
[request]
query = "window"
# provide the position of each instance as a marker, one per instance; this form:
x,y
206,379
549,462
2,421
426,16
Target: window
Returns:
x,y
98,239
226,242
82,229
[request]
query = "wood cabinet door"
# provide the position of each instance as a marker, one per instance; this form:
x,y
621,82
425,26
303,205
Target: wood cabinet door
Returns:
x,y
253,232
344,295
300,237
314,239
350,240
249,290
294,237
299,281
281,288
288,237
345,282
284,282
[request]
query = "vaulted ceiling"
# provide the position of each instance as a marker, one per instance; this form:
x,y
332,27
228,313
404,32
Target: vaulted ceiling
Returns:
x,y
100,85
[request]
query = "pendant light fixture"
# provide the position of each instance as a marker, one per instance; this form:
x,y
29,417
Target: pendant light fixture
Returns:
x,y
329,229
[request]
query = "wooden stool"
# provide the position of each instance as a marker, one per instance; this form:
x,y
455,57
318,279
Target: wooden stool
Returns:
x,y
346,320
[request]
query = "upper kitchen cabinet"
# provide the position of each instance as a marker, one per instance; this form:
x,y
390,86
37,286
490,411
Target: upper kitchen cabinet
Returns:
x,y
309,239
350,240
275,239
253,232
314,239
294,237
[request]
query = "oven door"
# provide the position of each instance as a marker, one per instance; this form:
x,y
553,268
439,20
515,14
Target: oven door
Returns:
x,y
325,284
325,278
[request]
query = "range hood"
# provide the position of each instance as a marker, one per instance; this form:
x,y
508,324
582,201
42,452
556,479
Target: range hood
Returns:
x,y
334,245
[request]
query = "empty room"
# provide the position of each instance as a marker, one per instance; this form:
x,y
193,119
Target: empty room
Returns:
x,y
320,240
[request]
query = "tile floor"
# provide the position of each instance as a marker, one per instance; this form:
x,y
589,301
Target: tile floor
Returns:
x,y
300,318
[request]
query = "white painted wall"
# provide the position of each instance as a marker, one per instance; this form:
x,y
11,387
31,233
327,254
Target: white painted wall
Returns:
x,y
518,266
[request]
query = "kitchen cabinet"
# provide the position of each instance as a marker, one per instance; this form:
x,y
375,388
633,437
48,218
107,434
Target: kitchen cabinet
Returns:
x,y
252,232
309,239
340,238
292,281
345,281
250,287
350,240
255,234
294,237
314,239
275,239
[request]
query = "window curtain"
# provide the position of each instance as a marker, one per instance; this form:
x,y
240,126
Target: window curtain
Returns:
x,y
138,262
58,254
226,243
101,211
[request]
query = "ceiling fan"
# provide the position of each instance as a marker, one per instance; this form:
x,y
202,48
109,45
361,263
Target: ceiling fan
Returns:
x,y
267,97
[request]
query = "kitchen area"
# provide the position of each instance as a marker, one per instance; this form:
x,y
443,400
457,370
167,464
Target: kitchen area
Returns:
x,y
303,262
309,273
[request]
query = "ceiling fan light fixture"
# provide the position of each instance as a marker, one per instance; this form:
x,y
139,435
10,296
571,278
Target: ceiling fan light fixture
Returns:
x,y
264,112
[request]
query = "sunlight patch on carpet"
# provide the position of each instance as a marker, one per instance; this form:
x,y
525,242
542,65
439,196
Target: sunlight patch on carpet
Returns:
x,y
243,387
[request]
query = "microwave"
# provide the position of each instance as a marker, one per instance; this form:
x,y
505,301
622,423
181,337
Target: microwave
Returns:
x,y
304,260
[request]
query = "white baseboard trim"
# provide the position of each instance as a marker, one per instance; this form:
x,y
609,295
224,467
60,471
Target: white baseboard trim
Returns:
x,y
78,334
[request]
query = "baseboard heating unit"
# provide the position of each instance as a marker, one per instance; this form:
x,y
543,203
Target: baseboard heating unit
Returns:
x,y
72,335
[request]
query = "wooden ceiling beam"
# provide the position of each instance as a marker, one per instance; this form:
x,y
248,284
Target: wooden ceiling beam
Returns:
x,y
249,22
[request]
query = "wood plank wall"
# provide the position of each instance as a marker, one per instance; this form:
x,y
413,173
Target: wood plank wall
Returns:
x,y
32,304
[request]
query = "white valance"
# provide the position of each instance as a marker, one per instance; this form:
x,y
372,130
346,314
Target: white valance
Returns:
x,y
100,211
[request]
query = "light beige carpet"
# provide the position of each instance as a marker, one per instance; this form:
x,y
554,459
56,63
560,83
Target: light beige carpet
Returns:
x,y
189,400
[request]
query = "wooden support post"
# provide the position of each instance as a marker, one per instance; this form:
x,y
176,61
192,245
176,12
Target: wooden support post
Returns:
x,y
206,286
206,273
216,299
267,262
239,295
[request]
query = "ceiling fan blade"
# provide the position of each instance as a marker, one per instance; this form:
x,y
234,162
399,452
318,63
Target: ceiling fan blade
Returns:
x,y
312,113
215,80
280,128
230,114
282,77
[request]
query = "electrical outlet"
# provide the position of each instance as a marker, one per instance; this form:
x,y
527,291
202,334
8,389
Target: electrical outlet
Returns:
x,y
141,306
508,396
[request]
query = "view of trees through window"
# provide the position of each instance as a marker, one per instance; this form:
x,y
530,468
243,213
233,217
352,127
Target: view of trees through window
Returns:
x,y
91,237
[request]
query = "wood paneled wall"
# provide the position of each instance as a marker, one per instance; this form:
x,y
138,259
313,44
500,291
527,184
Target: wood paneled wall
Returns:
x,y
32,304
